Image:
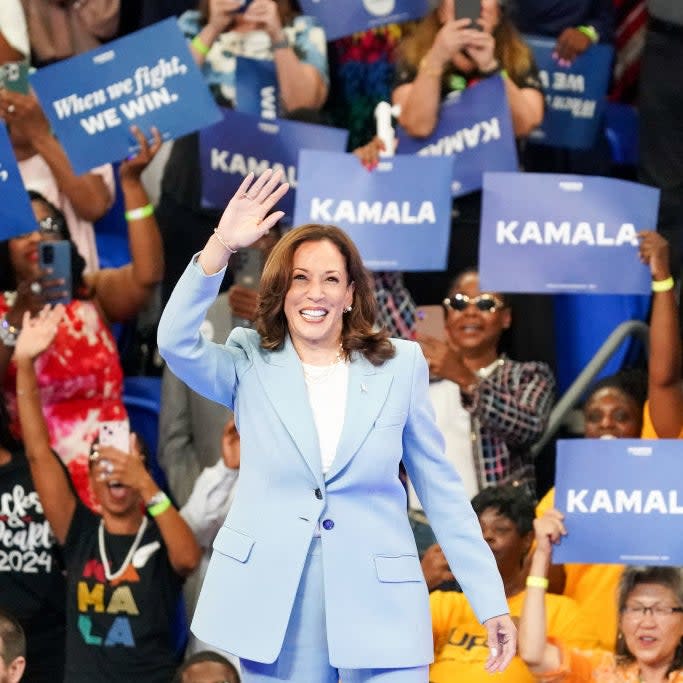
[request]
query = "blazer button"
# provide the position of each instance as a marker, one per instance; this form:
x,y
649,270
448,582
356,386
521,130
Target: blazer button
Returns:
x,y
328,524
318,494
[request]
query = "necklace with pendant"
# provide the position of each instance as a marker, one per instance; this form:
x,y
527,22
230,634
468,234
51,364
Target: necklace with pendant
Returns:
x,y
110,576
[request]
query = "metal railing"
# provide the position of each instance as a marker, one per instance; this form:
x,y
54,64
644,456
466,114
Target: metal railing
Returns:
x,y
571,397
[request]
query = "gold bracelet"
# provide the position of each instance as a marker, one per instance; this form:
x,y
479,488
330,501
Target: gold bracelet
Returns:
x,y
663,285
424,68
537,582
223,242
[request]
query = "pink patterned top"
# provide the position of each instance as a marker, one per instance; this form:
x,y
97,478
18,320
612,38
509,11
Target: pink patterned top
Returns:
x,y
81,384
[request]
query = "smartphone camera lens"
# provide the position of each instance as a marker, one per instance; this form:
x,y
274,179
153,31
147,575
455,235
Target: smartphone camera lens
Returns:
x,y
48,254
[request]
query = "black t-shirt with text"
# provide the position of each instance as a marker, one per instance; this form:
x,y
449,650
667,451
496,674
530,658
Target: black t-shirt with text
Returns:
x,y
32,585
118,630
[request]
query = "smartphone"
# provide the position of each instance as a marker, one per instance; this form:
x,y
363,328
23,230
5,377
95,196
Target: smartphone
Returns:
x,y
468,9
431,321
248,269
115,433
55,257
245,4
14,76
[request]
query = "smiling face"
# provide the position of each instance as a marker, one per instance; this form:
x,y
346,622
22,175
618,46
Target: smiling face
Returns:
x,y
318,293
609,412
652,639
473,330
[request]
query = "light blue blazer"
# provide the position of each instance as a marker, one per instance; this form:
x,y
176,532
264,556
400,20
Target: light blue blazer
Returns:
x,y
376,600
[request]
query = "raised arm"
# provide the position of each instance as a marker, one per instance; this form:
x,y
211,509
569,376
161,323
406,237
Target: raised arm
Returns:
x,y
665,391
122,292
50,478
420,100
184,552
534,648
207,367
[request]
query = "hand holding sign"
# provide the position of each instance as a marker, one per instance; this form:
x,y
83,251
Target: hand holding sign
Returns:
x,y
131,168
570,44
24,114
245,218
653,250
549,530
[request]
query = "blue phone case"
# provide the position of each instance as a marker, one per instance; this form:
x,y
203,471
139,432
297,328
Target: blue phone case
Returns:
x,y
55,257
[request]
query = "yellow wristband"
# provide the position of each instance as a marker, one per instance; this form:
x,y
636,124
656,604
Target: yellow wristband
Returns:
x,y
199,45
537,582
663,285
140,213
156,509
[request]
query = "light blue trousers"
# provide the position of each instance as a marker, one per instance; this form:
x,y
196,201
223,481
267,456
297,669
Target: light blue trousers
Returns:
x,y
304,657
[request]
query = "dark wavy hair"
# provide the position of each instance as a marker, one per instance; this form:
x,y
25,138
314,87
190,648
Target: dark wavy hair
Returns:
x,y
669,577
358,333
8,280
513,502
7,439
206,656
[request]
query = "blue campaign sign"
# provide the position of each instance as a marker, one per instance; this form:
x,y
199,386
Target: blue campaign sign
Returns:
x,y
575,96
474,131
396,222
256,84
622,500
242,143
16,214
146,79
551,234
360,15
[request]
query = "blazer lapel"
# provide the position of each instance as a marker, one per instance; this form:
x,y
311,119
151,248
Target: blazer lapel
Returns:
x,y
283,383
367,391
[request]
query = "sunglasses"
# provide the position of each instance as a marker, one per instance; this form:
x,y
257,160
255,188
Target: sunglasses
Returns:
x,y
48,227
486,303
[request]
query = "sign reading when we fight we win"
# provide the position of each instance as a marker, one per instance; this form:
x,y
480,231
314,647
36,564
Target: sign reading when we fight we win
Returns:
x,y
547,233
622,500
147,78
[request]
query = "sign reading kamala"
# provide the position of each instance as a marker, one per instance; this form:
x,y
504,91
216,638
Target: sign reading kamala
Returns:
x,y
622,500
396,222
475,131
549,233
242,143
16,214
145,79
359,15
574,95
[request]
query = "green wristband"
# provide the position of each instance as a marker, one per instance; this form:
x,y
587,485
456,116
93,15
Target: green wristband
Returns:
x,y
156,509
199,45
589,32
140,213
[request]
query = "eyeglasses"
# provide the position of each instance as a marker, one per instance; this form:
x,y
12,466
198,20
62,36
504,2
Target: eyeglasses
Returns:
x,y
657,611
49,228
486,303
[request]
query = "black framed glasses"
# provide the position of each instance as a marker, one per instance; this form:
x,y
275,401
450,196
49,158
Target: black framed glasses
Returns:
x,y
657,611
486,303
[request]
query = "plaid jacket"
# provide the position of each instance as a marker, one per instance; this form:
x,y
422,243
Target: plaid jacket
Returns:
x,y
509,409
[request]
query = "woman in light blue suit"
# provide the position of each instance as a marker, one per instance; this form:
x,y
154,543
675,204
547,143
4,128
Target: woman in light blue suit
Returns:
x,y
315,575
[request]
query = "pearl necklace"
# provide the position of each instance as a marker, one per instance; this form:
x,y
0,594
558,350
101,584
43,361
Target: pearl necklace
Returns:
x,y
129,557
